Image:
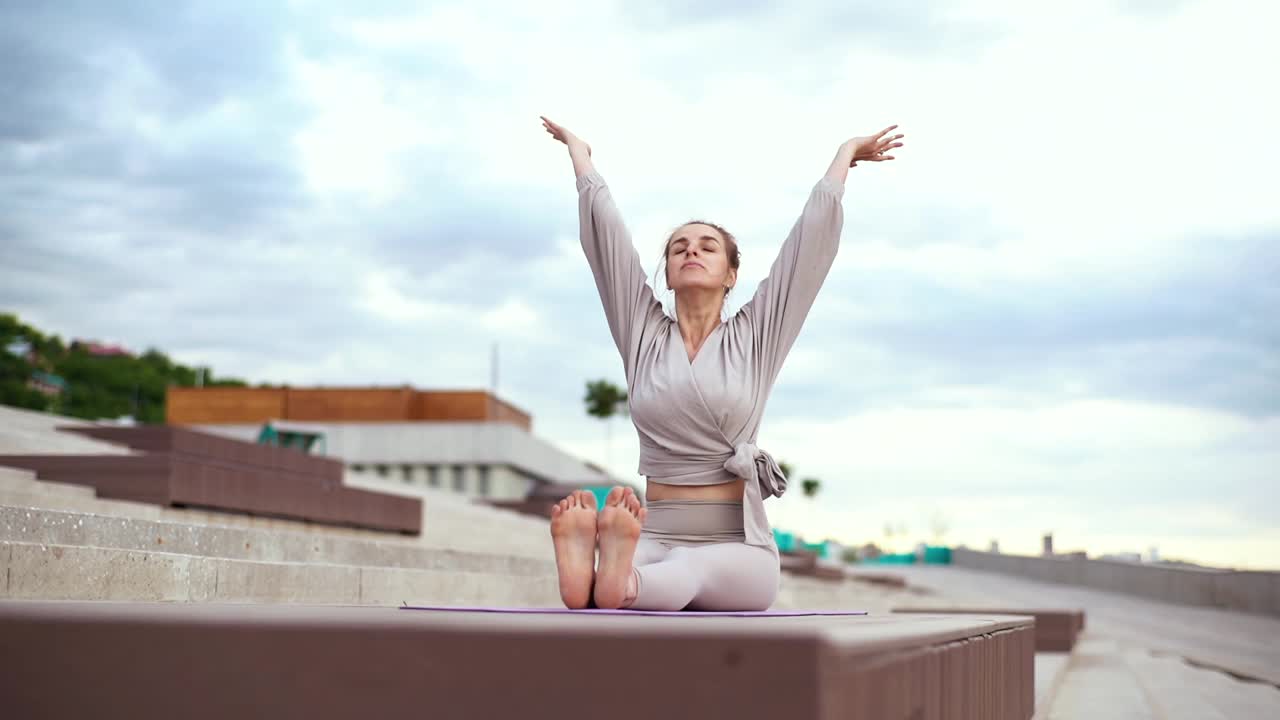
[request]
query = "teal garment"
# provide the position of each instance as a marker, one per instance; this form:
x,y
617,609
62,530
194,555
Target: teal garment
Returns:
x,y
698,421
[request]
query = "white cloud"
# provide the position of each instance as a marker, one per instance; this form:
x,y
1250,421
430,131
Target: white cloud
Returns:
x,y
1055,297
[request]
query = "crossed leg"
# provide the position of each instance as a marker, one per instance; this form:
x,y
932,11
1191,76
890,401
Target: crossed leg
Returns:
x,y
719,576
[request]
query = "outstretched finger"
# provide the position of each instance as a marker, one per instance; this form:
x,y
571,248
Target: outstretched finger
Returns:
x,y
885,131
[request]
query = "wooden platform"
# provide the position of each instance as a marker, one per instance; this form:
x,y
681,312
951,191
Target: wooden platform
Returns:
x,y
180,467
138,660
806,563
1056,629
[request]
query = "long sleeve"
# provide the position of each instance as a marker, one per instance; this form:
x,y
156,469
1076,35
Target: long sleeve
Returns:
x,y
620,278
782,300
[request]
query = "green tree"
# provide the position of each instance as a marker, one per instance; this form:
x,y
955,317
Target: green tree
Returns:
x,y
98,387
605,400
16,367
811,486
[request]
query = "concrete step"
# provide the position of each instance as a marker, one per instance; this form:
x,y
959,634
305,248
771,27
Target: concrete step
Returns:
x,y
49,527
25,432
15,475
443,527
128,509
42,501
62,572
448,521
18,480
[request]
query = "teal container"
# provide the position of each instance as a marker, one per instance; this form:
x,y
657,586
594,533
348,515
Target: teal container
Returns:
x,y
896,559
786,541
934,555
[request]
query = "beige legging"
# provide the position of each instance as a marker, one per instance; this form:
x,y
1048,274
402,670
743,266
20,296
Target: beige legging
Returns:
x,y
691,556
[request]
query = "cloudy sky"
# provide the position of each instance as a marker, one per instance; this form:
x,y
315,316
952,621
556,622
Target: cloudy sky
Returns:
x,y
1058,310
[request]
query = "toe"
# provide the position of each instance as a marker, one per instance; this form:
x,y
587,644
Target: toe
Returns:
x,y
555,511
615,496
588,499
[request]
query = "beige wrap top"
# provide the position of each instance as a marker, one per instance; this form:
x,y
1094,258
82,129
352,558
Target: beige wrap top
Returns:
x,y
698,421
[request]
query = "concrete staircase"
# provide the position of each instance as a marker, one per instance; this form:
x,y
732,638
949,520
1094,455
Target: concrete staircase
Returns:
x,y
50,554
60,542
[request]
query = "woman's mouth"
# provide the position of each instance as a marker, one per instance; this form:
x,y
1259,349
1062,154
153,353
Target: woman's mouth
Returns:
x,y
692,264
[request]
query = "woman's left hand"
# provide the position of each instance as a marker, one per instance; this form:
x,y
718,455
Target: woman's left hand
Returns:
x,y
872,148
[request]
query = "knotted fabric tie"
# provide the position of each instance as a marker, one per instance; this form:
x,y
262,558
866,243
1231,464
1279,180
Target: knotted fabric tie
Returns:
x,y
757,466
763,479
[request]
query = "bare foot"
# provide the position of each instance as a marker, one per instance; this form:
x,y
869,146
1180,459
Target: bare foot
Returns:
x,y
619,530
573,530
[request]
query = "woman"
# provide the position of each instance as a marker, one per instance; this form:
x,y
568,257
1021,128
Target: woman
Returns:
x,y
697,389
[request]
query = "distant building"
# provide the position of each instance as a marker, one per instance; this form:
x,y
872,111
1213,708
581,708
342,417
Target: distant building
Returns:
x,y
98,349
470,442
1129,557
243,405
47,383
20,347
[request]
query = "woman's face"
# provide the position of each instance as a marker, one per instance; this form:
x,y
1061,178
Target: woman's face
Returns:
x,y
696,258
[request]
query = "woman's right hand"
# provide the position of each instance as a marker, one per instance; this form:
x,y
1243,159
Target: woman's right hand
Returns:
x,y
563,134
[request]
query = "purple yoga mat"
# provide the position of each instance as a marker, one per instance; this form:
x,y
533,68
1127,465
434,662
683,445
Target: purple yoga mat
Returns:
x,y
676,613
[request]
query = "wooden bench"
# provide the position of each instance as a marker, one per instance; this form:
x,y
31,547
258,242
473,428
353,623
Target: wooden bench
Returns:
x,y
180,467
1056,630
140,660
806,563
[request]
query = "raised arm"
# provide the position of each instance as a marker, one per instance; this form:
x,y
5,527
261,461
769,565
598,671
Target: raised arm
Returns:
x,y
783,298
614,262
579,151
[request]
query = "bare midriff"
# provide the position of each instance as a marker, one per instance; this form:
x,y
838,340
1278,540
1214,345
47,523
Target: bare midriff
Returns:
x,y
720,491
